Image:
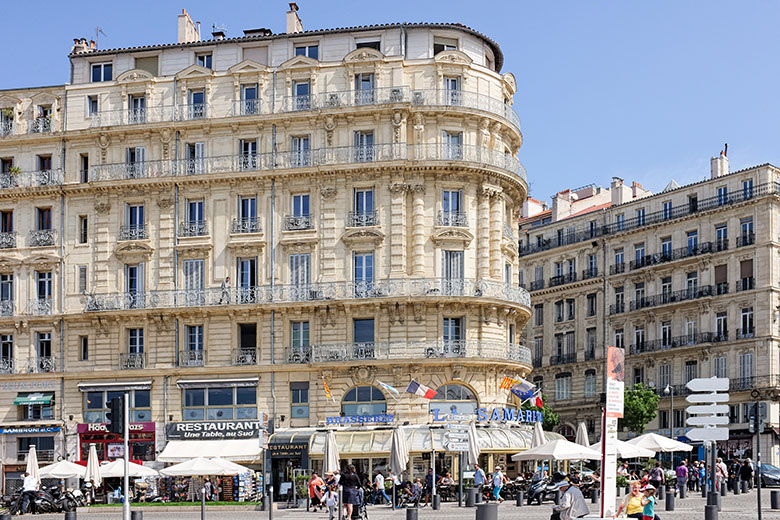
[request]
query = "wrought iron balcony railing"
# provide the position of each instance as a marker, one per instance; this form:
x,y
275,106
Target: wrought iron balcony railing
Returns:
x,y
193,228
617,308
137,116
32,179
746,239
244,356
563,359
746,333
675,297
248,107
322,291
42,125
537,362
434,349
41,365
537,285
192,112
452,218
132,361
562,279
7,239
133,233
192,358
363,219
746,284
7,365
246,225
589,273
687,340
6,307
40,306
7,127
298,222
43,237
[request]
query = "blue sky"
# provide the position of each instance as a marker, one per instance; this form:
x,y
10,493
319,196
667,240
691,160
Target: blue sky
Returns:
x,y
646,91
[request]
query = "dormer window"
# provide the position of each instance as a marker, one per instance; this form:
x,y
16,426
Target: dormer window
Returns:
x,y
444,44
310,51
204,60
102,72
368,44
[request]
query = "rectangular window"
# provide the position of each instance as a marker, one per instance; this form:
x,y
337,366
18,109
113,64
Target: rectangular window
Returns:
x,y
92,106
666,289
136,106
620,222
452,94
363,208
83,229
640,217
693,203
619,257
6,352
43,283
203,60
591,303
310,51
539,314
247,278
6,294
639,255
194,338
300,95
692,284
667,209
196,158
135,161
746,323
620,338
590,343
372,44
570,307
747,189
666,248
197,104
7,221
559,311
43,219
84,167
691,370
247,148
693,242
690,332
639,338
363,272
666,334
219,403
538,347
452,145
300,205
562,387
135,341
43,346
639,375
721,326
363,330
719,367
664,375
82,271
746,232
364,88
444,44
300,154
745,367
619,300
299,334
592,266
723,195
299,400
134,285
102,72
83,348
721,238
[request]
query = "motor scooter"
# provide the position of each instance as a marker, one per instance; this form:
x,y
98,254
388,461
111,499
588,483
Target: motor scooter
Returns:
x,y
545,489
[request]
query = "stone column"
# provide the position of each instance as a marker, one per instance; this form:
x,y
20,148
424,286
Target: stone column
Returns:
x,y
418,231
398,229
496,230
483,234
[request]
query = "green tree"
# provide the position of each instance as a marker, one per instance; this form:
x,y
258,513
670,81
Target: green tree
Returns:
x,y
640,406
550,418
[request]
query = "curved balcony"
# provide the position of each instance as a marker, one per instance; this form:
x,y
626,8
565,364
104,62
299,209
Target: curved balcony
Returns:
x,y
398,350
319,157
325,291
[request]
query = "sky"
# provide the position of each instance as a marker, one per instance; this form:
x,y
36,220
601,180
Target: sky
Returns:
x,y
645,91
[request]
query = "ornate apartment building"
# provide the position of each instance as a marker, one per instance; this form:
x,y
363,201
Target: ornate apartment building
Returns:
x,y
217,226
685,280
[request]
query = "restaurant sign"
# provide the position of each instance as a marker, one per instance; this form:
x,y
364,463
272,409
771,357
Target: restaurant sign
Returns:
x,y
360,419
509,414
204,430
31,429
103,427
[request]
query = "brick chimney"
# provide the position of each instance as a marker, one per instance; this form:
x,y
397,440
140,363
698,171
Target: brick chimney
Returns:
x,y
719,166
294,24
188,30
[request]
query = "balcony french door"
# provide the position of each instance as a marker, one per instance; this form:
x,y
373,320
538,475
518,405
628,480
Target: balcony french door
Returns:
x,y
136,109
301,99
452,336
134,285
196,154
249,102
195,213
364,274
135,158
452,272
452,90
197,108
247,209
300,154
247,279
364,146
452,145
194,287
364,88
248,151
300,276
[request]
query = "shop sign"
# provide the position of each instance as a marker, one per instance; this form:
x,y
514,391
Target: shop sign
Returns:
x,y
116,451
290,449
509,414
30,429
103,427
15,386
360,419
203,430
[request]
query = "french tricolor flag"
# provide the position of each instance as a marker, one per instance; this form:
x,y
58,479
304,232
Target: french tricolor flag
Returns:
x,y
416,388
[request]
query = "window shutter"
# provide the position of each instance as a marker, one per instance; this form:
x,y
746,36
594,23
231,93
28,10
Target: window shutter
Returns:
x,y
746,268
721,273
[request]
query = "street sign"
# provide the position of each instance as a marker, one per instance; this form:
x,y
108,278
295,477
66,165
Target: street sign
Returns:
x,y
708,409
457,446
708,420
708,434
708,384
708,398
458,427
460,417
458,436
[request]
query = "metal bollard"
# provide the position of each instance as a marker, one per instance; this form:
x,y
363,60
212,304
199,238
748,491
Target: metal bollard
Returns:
x,y
471,497
411,513
735,488
487,511
136,515
723,489
480,496
436,502
594,496
710,512
670,501
717,500
5,516
704,491
519,499
661,492
69,515
774,497
745,485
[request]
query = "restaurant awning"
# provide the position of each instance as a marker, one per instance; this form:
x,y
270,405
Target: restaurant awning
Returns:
x,y
25,398
114,386
240,450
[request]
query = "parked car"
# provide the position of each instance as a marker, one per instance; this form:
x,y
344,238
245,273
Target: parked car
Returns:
x,y
770,475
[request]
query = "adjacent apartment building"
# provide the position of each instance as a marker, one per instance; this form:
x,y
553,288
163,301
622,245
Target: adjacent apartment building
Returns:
x,y
222,226
685,280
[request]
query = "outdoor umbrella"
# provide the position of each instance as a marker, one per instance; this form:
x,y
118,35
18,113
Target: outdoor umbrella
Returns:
x,y
399,452
116,468
582,437
62,469
202,466
558,449
92,473
32,464
473,444
626,450
655,442
537,439
330,461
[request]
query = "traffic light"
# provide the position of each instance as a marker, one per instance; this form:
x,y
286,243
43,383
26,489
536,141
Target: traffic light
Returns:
x,y
116,417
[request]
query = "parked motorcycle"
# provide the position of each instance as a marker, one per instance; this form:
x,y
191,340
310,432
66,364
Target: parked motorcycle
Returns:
x,y
545,489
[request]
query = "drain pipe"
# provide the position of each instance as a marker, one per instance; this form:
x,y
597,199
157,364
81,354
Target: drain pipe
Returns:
x,y
176,345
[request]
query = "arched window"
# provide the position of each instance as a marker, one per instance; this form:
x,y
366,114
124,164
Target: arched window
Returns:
x,y
364,400
454,399
567,431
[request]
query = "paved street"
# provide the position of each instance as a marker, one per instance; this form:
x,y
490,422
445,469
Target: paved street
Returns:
x,y
741,507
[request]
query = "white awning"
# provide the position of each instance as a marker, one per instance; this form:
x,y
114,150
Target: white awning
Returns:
x,y
243,450
114,386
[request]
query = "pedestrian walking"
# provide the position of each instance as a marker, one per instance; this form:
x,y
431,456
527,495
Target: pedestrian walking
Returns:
x,y
656,476
746,472
479,478
498,483
379,488
682,476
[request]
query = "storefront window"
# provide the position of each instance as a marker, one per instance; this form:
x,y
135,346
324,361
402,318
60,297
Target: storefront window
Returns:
x,y
96,406
220,404
457,399
364,400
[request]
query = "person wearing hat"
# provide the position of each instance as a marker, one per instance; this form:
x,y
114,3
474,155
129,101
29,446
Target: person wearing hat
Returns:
x,y
572,502
648,502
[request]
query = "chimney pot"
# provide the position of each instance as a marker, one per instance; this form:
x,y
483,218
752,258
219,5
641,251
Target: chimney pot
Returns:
x,y
294,24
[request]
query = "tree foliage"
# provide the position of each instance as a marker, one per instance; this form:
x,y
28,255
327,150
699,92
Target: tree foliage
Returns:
x,y
639,408
550,418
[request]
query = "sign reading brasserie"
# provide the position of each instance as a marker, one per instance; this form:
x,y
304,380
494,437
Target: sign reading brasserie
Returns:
x,y
360,419
212,430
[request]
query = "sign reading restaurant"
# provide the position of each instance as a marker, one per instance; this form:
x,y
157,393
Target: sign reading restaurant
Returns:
x,y
212,430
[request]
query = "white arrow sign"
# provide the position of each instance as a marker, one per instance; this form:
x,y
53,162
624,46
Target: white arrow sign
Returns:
x,y
708,384
708,420
708,398
708,434
458,436
457,446
458,427
708,409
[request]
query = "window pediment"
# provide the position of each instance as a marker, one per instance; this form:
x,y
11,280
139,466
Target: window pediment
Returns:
x,y
193,72
363,236
9,101
248,67
452,237
456,57
364,54
134,76
299,62
133,250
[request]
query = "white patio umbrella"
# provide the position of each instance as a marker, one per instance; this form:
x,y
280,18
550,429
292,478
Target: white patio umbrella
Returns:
x,y
202,466
63,469
626,450
116,468
582,437
655,442
399,452
92,473
558,449
473,444
330,461
32,464
537,439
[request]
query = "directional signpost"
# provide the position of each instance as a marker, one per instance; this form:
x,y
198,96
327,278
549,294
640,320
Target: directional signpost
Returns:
x,y
457,437
710,415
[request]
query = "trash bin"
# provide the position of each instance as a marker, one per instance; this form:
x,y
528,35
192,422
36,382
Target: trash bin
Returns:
x,y
487,511
411,513
471,497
